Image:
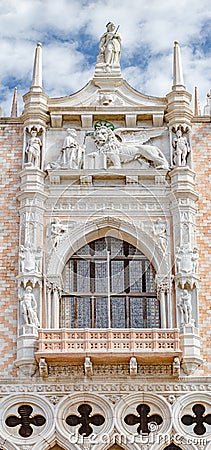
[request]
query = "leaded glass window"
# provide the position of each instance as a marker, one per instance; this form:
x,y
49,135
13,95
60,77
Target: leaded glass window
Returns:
x,y
109,283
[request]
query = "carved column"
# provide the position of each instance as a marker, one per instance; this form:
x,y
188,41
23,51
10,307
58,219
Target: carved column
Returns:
x,y
52,309
163,288
184,200
55,307
32,199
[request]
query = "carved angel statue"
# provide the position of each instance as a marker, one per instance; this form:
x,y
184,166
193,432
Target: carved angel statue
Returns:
x,y
33,149
182,148
29,308
110,46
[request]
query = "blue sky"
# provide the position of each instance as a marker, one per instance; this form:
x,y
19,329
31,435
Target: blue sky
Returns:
x,y
70,31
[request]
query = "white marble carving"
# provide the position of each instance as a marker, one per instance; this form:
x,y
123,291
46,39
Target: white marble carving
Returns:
x,y
133,366
186,260
160,233
88,369
185,306
110,47
113,153
71,154
43,368
30,261
71,150
33,149
29,308
57,231
182,149
176,366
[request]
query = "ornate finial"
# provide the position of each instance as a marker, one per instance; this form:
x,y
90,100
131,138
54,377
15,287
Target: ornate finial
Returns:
x,y
14,109
37,71
178,81
197,109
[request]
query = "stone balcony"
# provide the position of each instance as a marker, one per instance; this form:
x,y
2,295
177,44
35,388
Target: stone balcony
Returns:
x,y
110,344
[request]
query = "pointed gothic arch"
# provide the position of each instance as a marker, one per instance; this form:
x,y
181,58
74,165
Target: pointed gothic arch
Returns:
x,y
115,447
172,446
57,447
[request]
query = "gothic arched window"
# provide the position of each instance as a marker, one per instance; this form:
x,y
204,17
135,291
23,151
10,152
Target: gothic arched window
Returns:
x,y
109,283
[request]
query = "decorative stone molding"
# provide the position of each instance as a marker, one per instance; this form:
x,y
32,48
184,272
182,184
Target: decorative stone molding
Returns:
x,y
158,405
69,370
184,406
69,406
38,405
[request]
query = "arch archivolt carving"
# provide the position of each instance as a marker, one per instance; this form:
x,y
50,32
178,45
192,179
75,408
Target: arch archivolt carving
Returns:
x,y
80,235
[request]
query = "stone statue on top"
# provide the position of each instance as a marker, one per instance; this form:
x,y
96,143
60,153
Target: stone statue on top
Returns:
x,y
109,48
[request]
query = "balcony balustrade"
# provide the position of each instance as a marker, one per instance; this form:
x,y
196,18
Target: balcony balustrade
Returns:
x,y
112,344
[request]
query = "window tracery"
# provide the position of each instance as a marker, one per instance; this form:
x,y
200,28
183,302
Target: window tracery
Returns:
x,y
109,283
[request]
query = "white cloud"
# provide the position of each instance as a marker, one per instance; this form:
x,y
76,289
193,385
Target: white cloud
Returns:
x,y
69,29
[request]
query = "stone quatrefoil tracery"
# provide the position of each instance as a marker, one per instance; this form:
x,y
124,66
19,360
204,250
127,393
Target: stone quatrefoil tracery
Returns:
x,y
25,420
85,420
146,423
199,418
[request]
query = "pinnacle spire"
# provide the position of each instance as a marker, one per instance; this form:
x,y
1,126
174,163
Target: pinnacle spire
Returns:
x,y
14,108
37,71
197,110
178,81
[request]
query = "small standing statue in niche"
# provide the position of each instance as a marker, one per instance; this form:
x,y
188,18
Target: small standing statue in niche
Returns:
x,y
182,149
33,149
110,47
185,307
29,308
